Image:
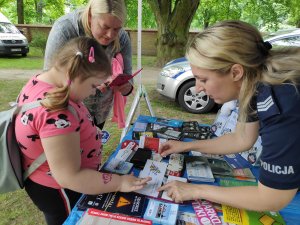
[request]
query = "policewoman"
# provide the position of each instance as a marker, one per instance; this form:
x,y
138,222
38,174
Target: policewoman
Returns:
x,y
231,61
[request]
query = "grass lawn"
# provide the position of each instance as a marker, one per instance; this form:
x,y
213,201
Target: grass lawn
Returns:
x,y
34,60
17,208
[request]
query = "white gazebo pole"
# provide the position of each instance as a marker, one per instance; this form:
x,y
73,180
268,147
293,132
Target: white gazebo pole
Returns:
x,y
139,45
141,92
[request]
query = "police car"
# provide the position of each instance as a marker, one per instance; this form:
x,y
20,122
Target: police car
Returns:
x,y
177,82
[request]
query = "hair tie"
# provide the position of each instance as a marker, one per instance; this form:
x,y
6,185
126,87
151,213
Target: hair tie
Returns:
x,y
80,54
267,45
91,55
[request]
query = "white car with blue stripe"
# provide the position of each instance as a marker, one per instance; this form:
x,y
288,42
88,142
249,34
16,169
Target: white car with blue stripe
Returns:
x,y
177,82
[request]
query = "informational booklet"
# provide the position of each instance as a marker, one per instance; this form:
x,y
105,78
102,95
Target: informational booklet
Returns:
x,y
192,130
97,217
155,130
246,217
123,78
151,143
236,161
206,213
220,167
187,218
161,212
176,164
117,202
198,169
236,183
168,122
155,170
117,166
125,154
130,144
253,154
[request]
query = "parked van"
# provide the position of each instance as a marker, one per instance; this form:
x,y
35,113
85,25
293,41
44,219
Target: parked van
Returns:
x,y
12,41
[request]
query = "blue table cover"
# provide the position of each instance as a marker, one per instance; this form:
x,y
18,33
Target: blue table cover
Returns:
x,y
291,213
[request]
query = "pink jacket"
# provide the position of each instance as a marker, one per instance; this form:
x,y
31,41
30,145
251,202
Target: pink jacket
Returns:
x,y
119,99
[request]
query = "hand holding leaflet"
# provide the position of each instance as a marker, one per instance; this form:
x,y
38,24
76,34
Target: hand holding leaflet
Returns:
x,y
123,78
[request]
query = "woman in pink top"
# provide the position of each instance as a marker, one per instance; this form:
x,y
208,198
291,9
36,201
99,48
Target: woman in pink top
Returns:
x,y
71,143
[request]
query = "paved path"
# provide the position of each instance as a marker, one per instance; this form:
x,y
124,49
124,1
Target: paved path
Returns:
x,y
149,74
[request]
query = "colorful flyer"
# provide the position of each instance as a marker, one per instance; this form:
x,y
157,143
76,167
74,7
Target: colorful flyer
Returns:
x,y
246,217
206,213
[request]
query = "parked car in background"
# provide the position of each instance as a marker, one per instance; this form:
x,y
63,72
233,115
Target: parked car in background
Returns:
x,y
177,82
290,37
12,41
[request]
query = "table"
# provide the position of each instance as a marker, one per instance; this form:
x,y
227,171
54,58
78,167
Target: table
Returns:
x,y
291,213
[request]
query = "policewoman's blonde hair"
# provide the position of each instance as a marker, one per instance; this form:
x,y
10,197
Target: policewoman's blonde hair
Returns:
x,y
95,8
226,43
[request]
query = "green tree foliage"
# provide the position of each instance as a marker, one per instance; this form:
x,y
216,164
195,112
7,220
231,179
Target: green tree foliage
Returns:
x,y
211,11
148,20
266,14
294,12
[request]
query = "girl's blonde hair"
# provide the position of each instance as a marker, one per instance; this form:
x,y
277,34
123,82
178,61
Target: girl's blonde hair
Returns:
x,y
74,58
95,8
227,43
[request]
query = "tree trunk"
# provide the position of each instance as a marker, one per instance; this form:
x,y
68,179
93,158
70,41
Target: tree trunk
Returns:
x,y
173,27
20,11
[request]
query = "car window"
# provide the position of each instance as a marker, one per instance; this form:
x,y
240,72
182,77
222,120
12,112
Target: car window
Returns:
x,y
8,28
288,41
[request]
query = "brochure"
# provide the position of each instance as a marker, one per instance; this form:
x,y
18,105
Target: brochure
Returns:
x,y
198,169
161,212
155,170
117,166
123,78
187,218
175,166
206,213
117,202
155,130
95,217
220,167
151,143
246,217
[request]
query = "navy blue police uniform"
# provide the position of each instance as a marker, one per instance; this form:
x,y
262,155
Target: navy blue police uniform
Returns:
x,y
278,112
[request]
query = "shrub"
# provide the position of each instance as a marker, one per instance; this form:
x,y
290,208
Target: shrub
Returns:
x,y
39,40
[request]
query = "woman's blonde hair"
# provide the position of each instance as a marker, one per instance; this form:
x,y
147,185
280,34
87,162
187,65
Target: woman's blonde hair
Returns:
x,y
74,59
227,43
95,8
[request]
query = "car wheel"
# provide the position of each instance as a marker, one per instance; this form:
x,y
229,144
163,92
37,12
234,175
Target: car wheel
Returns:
x,y
194,102
24,54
